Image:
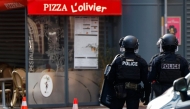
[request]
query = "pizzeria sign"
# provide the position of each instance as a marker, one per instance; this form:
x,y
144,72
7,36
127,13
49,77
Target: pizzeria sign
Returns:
x,y
71,7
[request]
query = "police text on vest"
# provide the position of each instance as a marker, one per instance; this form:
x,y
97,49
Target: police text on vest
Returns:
x,y
130,63
170,66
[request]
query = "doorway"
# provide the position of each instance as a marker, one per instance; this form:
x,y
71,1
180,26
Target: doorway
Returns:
x,y
66,59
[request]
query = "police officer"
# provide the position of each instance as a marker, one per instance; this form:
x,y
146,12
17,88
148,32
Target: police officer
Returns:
x,y
149,64
168,66
127,71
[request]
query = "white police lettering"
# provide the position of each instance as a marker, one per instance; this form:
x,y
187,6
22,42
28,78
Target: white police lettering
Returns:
x,y
55,7
170,66
13,5
130,63
87,7
129,59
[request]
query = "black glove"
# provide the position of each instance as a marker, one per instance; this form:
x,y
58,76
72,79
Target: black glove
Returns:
x,y
142,99
147,94
145,100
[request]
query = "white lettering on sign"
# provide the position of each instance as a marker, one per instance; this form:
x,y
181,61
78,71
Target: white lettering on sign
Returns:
x,y
13,5
75,8
31,54
87,7
129,63
55,7
173,21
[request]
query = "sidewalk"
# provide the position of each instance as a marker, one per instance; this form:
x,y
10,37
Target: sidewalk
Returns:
x,y
82,107
141,106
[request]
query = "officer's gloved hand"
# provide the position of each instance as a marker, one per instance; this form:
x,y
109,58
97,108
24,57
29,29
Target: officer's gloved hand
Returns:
x,y
142,99
146,100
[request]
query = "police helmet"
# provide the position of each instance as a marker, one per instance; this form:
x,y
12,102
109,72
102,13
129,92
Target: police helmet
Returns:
x,y
130,42
168,40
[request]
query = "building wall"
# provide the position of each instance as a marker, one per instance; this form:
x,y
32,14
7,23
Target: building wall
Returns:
x,y
187,28
12,37
176,8
142,18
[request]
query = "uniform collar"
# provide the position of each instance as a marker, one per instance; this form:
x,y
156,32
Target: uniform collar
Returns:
x,y
129,52
168,52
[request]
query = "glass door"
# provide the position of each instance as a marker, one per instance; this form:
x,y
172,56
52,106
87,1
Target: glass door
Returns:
x,y
86,45
66,59
46,80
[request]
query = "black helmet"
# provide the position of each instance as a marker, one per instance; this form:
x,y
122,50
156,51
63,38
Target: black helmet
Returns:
x,y
168,40
130,42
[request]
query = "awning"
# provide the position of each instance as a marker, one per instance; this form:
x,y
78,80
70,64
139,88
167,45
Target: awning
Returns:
x,y
74,7
12,4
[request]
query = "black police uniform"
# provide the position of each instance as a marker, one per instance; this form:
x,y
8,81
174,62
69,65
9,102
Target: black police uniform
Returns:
x,y
167,66
150,63
166,72
149,67
129,67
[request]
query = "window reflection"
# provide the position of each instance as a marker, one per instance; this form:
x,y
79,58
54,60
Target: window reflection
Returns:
x,y
46,50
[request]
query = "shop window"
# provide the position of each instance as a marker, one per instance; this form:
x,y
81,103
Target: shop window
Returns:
x,y
89,53
46,49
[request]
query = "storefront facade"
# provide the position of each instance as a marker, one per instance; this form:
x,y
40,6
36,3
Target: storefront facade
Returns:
x,y
64,47
67,44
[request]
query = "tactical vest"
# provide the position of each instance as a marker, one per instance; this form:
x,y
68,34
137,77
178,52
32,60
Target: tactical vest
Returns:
x,y
170,69
129,69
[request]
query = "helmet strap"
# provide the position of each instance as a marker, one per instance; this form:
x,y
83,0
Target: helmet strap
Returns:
x,y
161,50
137,50
122,49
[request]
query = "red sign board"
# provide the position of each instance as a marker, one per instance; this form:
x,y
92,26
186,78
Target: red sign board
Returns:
x,y
174,27
12,4
74,7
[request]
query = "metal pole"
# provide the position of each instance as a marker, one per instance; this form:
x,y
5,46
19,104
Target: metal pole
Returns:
x,y
165,15
162,26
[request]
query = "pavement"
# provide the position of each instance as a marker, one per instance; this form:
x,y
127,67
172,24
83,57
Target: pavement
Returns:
x,y
141,106
82,107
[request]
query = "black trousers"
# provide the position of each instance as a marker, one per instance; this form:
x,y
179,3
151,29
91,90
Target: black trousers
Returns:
x,y
132,101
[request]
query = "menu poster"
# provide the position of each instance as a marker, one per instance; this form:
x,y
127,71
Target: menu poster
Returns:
x,y
78,25
86,41
86,46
